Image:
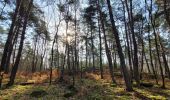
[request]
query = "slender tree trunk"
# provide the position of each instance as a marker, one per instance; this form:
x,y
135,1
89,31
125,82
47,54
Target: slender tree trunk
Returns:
x,y
86,53
11,49
81,63
127,41
15,67
15,48
108,53
143,49
10,35
42,56
73,67
66,53
92,48
34,53
151,59
158,57
9,40
62,70
156,44
147,64
135,63
89,59
167,70
36,60
52,49
100,41
75,43
120,52
143,52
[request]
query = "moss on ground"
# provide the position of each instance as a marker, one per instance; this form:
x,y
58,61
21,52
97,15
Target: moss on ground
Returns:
x,y
85,89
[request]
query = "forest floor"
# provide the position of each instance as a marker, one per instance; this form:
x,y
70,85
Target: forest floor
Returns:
x,y
91,87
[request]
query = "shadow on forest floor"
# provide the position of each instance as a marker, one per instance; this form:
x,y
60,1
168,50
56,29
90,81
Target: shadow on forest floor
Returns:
x,y
91,87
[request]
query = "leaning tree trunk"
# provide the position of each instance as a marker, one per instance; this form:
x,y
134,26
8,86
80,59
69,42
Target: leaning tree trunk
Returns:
x,y
11,49
156,45
120,52
108,53
158,56
127,41
150,50
10,35
9,39
151,59
167,70
15,67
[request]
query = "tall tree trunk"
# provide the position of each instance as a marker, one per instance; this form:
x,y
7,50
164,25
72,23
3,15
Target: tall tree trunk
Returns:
x,y
66,53
75,43
36,60
43,55
156,44
151,58
9,39
120,52
127,41
34,54
52,48
142,65
158,57
15,67
143,49
92,48
150,50
10,35
147,64
73,66
167,70
14,53
108,53
86,53
100,41
11,49
135,62
62,69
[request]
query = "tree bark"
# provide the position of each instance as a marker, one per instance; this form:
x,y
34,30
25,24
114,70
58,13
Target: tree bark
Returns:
x,y
100,41
15,67
10,35
119,48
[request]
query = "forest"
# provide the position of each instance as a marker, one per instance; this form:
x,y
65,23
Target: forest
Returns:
x,y
84,49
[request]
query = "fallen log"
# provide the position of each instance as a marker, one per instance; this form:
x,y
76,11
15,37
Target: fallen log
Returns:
x,y
27,83
146,84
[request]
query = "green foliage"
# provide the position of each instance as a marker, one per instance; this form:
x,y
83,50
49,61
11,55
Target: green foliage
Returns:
x,y
89,15
88,88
